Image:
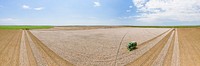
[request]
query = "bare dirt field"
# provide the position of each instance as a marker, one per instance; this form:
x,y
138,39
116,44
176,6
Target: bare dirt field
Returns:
x,y
189,43
100,47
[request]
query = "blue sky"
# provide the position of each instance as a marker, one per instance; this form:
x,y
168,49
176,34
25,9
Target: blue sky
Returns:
x,y
99,12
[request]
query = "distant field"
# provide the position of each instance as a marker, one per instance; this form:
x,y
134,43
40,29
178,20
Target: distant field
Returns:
x,y
87,27
165,26
108,27
25,27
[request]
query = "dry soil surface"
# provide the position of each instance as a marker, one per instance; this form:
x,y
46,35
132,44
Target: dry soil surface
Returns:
x,y
22,48
100,47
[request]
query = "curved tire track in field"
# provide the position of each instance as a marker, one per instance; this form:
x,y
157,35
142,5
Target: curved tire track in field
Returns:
x,y
50,57
148,58
146,42
185,40
127,54
111,59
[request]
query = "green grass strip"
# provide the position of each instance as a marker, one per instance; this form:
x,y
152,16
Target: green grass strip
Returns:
x,y
24,27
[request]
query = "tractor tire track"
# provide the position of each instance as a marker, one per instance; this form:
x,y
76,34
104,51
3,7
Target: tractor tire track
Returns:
x,y
175,56
146,42
147,58
31,57
139,52
168,58
23,55
161,57
50,56
127,55
38,56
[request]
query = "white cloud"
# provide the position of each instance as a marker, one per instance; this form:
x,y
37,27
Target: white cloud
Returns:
x,y
130,6
32,8
97,4
168,10
128,10
26,7
8,19
39,8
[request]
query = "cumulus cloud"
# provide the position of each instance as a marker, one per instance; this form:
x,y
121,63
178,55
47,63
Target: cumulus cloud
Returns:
x,y
97,4
39,8
7,19
26,7
168,10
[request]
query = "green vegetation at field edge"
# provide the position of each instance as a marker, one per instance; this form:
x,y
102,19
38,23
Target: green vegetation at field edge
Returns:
x,y
25,27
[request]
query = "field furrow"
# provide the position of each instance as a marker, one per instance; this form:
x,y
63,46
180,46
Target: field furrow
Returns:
x,y
189,47
16,53
10,53
5,38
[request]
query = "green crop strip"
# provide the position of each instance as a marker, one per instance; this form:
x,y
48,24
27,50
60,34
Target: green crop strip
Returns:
x,y
24,27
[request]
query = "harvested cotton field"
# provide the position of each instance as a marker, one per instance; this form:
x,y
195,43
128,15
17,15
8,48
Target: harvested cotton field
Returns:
x,y
100,47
